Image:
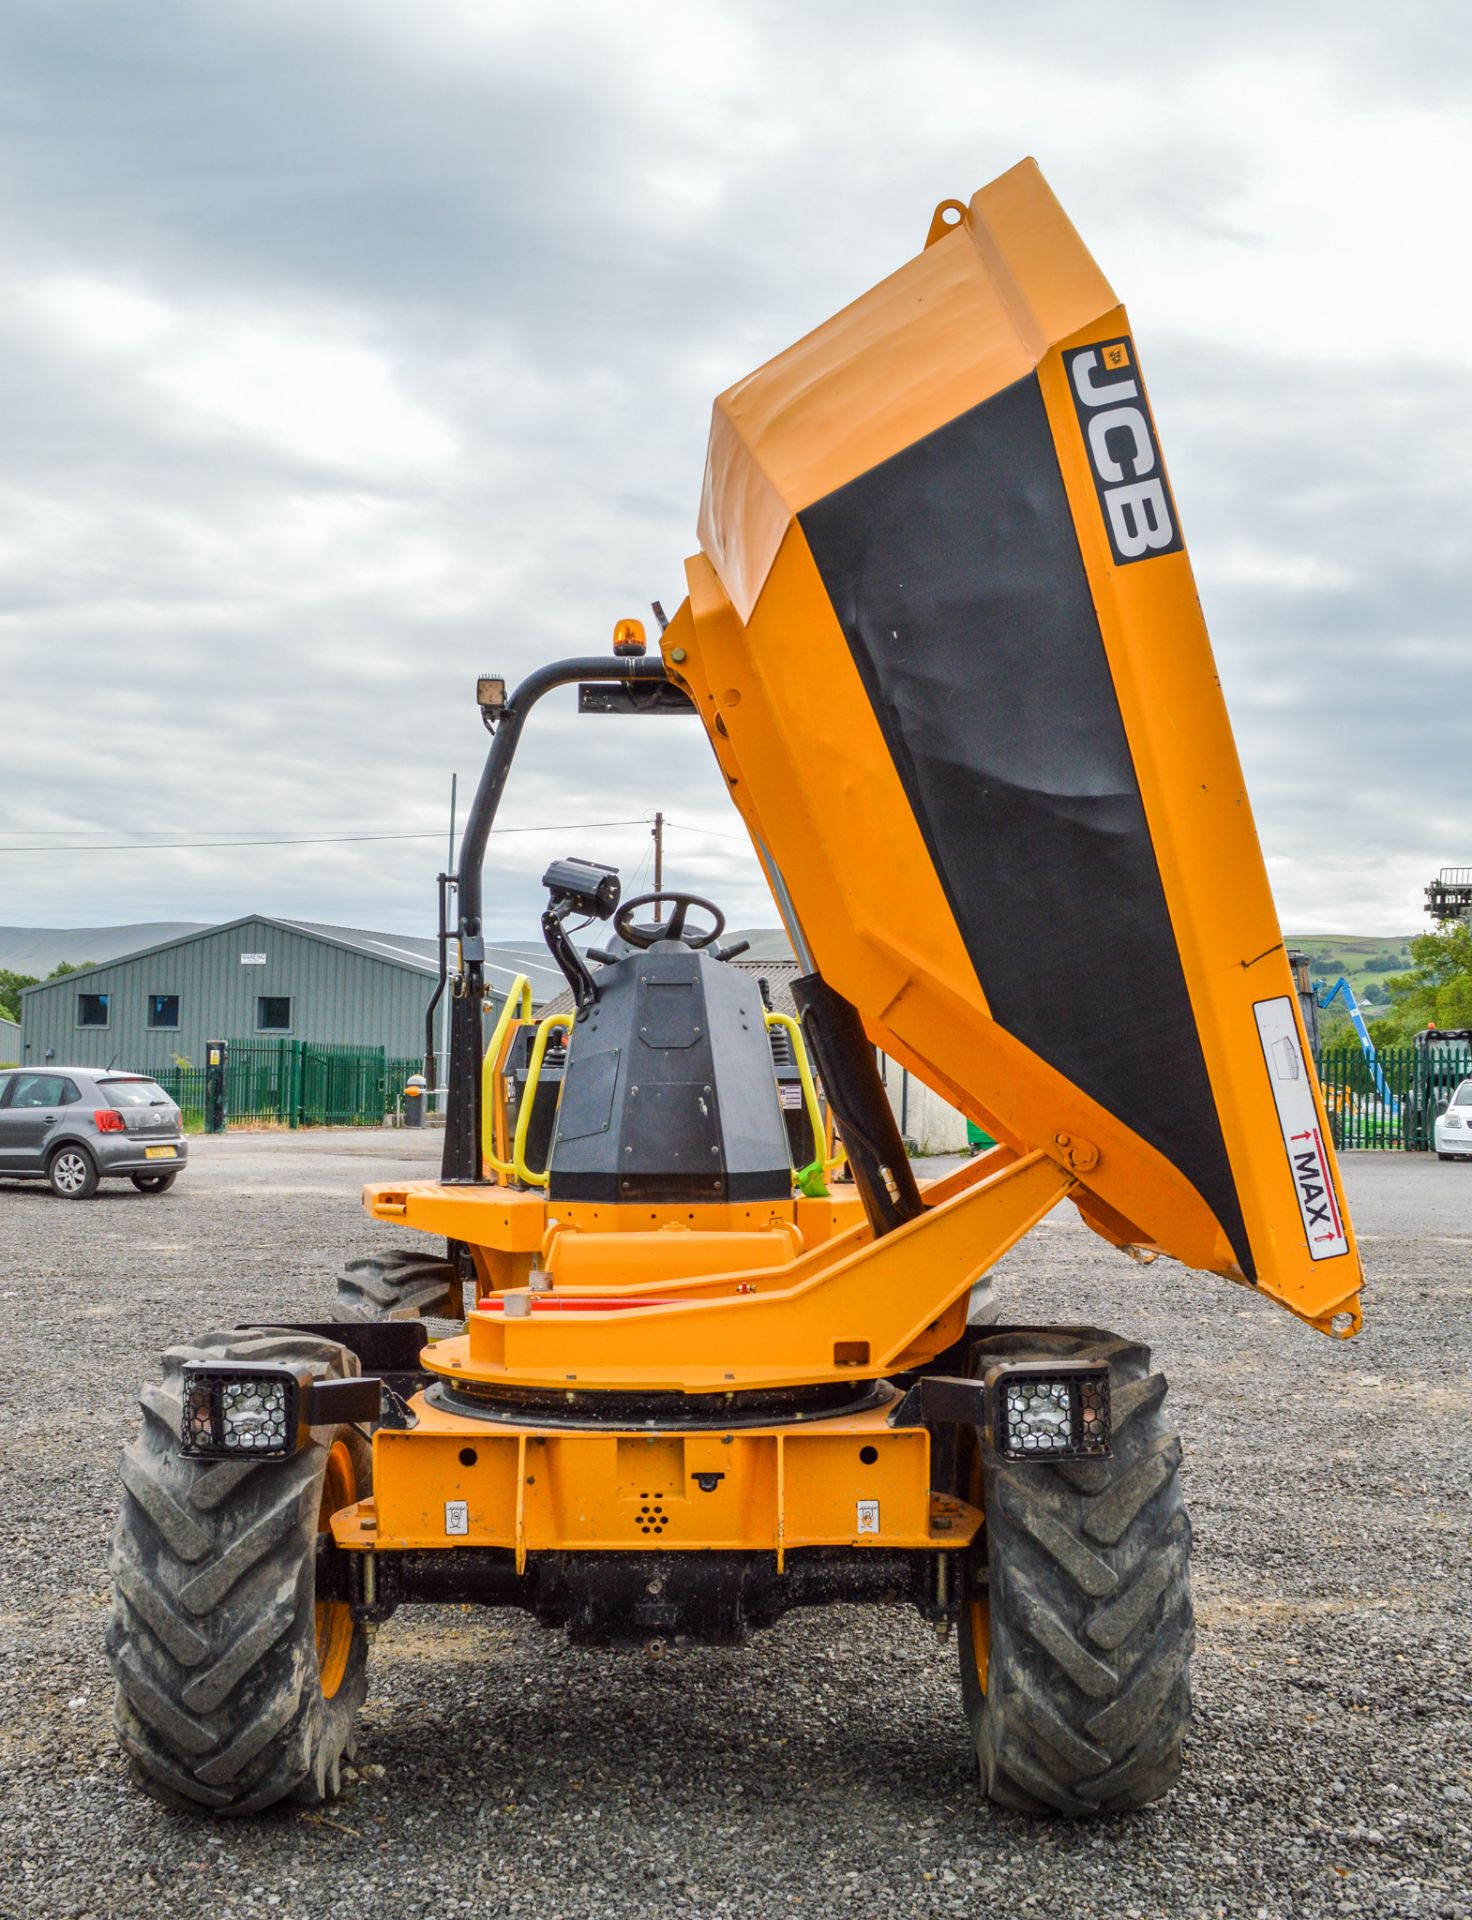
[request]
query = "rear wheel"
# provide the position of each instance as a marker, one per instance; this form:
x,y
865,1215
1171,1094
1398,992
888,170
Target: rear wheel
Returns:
x,y
402,1285
154,1182
72,1172
236,1687
1077,1627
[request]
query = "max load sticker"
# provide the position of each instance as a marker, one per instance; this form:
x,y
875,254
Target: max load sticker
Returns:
x,y
1298,1116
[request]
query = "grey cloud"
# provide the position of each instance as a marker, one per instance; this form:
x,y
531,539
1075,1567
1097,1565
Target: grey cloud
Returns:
x,y
1347,668
561,260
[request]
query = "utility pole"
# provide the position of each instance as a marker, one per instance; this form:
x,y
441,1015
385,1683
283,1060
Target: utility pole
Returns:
x,y
445,1016
658,866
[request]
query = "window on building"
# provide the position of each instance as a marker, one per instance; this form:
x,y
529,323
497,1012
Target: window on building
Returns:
x,y
273,1013
92,1009
163,1009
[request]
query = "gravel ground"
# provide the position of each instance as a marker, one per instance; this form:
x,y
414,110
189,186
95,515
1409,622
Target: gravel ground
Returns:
x,y
823,1769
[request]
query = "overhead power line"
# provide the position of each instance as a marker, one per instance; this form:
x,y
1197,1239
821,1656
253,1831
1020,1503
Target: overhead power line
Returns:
x,y
712,833
315,840
112,826
287,839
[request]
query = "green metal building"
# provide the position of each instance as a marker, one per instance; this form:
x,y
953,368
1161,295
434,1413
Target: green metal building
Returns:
x,y
259,978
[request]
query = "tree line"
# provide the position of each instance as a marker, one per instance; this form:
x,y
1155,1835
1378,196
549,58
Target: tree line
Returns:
x,y
12,985
1435,992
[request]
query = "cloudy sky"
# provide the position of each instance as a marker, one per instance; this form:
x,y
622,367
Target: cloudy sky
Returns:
x,y
349,349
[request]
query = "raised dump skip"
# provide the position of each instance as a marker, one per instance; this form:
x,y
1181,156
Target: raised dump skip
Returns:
x,y
945,636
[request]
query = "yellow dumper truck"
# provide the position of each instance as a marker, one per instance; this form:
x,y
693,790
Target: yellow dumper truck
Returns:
x,y
943,636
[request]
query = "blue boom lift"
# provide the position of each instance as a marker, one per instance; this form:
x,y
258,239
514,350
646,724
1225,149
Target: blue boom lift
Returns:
x,y
1362,1033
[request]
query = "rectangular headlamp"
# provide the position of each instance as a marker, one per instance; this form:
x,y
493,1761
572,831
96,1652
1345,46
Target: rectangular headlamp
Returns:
x,y
1043,1410
254,1410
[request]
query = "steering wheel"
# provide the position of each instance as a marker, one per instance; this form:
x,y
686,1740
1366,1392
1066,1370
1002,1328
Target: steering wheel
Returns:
x,y
674,927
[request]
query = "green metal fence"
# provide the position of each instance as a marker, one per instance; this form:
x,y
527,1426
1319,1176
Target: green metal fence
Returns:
x,y
1397,1106
296,1083
397,1078
185,1086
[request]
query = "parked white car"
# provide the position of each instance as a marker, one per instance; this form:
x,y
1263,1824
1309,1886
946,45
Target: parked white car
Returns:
x,y
1454,1126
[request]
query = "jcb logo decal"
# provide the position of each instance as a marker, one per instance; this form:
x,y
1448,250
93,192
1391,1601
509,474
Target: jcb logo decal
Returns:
x,y
1124,454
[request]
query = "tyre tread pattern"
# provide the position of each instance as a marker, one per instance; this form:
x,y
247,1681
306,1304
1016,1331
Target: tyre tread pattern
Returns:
x,y
405,1284
1088,1698
212,1630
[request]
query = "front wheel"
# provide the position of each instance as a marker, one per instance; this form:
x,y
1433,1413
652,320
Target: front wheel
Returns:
x,y
154,1182
1078,1627
236,1688
73,1173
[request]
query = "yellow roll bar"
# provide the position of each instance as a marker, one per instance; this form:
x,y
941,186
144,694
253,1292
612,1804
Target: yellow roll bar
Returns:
x,y
517,1005
529,1096
809,1093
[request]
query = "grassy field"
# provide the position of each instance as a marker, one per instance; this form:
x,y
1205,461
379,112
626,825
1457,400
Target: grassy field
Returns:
x,y
1352,954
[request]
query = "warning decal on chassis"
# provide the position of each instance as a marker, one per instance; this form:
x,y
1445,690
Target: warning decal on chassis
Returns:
x,y
1290,1077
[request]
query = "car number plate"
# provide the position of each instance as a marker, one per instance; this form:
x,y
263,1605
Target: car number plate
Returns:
x,y
158,1153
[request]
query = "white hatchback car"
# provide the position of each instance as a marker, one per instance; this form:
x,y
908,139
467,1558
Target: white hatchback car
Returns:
x,y
1454,1127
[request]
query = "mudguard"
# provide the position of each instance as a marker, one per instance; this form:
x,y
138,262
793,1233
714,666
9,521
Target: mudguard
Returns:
x,y
944,636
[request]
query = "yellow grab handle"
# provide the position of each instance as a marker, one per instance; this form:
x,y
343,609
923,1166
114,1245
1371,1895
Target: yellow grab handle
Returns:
x,y
517,1005
809,1091
529,1095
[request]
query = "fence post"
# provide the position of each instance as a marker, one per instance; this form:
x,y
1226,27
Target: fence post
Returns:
x,y
216,1100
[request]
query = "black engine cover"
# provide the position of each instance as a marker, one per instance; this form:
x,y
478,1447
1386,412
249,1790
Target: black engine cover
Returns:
x,y
668,1094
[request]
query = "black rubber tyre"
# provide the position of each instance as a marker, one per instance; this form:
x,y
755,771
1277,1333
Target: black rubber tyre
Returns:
x,y
154,1182
72,1172
235,1691
402,1285
1074,1649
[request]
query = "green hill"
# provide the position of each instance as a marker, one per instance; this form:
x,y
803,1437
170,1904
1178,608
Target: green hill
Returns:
x,y
37,950
1367,960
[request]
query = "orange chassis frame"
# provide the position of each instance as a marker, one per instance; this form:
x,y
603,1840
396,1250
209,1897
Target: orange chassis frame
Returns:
x,y
844,1309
